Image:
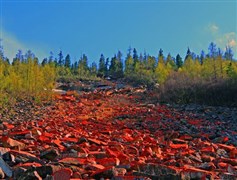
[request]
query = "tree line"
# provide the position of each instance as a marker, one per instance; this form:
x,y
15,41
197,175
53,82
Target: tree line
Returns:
x,y
27,75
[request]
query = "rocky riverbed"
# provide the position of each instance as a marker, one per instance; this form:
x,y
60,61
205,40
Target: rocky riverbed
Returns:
x,y
117,134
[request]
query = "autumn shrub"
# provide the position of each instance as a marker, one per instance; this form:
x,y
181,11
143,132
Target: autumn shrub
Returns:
x,y
181,88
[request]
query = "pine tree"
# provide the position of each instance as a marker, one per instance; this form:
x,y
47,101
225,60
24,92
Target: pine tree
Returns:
x,y
228,53
178,61
102,66
83,68
116,66
161,56
188,54
212,50
202,56
19,58
51,57
213,54
44,62
129,66
107,67
60,58
93,70
67,61
170,62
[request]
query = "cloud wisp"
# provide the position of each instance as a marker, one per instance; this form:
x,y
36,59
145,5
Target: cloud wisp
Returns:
x,y
223,39
213,28
12,44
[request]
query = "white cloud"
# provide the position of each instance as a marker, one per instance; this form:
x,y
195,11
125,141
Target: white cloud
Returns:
x,y
227,39
11,45
232,43
223,39
213,28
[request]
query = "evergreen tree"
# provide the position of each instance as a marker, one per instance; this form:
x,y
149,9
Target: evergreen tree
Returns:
x,y
230,70
93,69
213,54
160,53
68,61
135,56
151,64
107,67
170,62
102,66
129,66
75,68
83,68
129,51
51,57
19,58
116,66
228,53
161,56
178,61
44,62
119,70
60,58
212,50
202,56
188,54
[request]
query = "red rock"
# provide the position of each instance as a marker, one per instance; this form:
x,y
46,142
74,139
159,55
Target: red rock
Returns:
x,y
73,161
95,167
14,133
222,165
8,126
30,164
178,146
207,158
63,174
103,173
233,153
58,143
9,142
96,141
76,176
108,161
66,139
233,162
208,149
44,139
226,147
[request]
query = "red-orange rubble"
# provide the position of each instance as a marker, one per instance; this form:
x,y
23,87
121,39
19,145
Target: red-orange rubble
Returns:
x,y
113,134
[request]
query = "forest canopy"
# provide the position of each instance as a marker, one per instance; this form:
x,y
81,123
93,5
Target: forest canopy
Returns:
x,y
27,76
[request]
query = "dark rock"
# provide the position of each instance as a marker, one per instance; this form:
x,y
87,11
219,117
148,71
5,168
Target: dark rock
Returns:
x,y
49,154
18,172
30,175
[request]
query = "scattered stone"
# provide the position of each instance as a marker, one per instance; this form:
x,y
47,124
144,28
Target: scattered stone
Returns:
x,y
49,154
117,134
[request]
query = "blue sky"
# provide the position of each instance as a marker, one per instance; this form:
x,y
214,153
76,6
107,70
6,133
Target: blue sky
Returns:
x,y
101,26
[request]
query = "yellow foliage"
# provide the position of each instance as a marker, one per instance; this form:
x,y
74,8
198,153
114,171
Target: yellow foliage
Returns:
x,y
26,79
